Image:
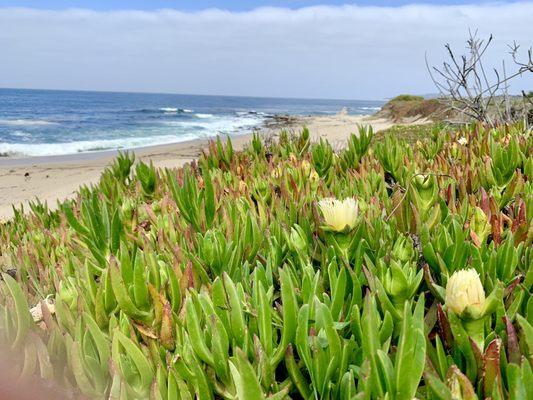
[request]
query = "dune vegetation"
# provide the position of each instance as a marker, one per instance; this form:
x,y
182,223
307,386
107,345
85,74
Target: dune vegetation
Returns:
x,y
388,270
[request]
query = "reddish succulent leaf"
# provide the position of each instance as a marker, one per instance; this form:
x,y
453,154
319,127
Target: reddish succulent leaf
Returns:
x,y
491,368
458,381
478,355
294,186
496,229
187,279
167,331
509,289
484,203
415,221
494,208
513,349
431,283
450,196
475,239
445,330
145,330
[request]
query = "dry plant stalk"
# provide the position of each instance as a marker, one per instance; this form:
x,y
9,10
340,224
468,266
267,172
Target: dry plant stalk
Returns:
x,y
465,86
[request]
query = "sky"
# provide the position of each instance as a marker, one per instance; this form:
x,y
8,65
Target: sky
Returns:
x,y
188,5
311,49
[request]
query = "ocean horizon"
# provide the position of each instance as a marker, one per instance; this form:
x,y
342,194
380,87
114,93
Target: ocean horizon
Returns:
x,y
40,122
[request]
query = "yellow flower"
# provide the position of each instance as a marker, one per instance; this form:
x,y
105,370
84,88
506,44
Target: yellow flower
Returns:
x,y
293,159
306,167
339,214
313,176
464,290
276,173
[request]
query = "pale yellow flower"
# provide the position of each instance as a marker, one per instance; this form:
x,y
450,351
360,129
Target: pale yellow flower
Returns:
x,y
292,158
313,176
306,167
276,173
462,141
339,214
464,289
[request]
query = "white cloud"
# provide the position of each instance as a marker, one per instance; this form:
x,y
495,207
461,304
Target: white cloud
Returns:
x,y
341,52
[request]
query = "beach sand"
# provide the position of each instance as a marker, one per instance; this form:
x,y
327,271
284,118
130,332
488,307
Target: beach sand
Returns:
x,y
58,177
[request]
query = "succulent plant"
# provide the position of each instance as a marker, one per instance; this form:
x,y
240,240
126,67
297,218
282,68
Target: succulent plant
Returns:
x,y
285,271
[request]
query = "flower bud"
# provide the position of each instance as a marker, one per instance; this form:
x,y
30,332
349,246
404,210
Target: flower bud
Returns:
x,y
313,176
306,168
403,249
480,226
454,150
339,214
276,173
426,191
297,239
292,158
156,206
464,292
68,294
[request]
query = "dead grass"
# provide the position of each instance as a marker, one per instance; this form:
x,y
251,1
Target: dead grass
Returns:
x,y
414,107
410,133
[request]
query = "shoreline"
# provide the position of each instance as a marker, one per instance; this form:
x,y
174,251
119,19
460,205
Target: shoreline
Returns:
x,y
270,124
53,178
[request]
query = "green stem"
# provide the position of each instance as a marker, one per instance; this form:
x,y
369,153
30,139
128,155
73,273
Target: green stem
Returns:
x,y
475,329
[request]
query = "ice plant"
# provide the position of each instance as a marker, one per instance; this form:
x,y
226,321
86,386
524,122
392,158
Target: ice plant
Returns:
x,y
480,227
306,167
424,193
339,215
465,293
313,177
465,297
225,279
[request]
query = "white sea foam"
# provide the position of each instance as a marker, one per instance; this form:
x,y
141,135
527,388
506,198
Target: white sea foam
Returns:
x,y
217,124
171,131
25,122
21,134
48,149
173,110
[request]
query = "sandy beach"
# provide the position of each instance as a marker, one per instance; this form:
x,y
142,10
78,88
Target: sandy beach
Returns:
x,y
53,178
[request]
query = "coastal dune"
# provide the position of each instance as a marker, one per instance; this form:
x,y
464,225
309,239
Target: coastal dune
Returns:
x,y
53,178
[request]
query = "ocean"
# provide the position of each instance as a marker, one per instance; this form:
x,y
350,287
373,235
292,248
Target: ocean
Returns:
x,y
53,122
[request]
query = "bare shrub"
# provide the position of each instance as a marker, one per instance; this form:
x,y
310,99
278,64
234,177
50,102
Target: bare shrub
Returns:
x,y
465,86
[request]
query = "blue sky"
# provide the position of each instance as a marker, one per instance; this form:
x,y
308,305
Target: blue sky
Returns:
x,y
309,50
234,5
